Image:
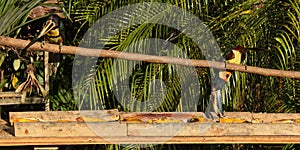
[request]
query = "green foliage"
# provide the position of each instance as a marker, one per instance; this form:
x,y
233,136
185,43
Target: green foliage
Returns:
x,y
247,23
287,56
272,24
14,14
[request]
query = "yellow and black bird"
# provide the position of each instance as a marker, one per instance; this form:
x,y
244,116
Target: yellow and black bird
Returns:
x,y
236,55
53,32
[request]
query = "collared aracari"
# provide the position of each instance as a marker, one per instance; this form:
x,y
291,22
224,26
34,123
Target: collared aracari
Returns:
x,y
53,31
236,55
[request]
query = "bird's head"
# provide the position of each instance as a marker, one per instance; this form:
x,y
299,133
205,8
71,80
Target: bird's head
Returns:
x,y
225,75
51,23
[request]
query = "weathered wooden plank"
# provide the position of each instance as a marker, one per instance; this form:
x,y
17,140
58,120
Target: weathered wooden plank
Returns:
x,y
242,115
67,116
59,129
152,124
22,141
45,148
15,98
276,117
182,116
17,101
69,129
212,129
10,94
10,98
149,117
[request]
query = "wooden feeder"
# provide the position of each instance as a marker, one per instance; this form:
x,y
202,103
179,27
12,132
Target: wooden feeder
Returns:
x,y
111,126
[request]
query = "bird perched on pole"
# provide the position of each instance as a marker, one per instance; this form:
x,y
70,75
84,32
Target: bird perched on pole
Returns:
x,y
236,55
53,31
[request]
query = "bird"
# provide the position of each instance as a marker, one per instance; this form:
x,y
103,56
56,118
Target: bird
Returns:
x,y
53,32
236,55
56,31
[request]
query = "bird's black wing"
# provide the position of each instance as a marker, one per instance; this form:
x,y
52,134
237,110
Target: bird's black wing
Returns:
x,y
62,31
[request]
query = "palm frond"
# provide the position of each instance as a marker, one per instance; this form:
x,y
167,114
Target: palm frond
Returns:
x,y
14,13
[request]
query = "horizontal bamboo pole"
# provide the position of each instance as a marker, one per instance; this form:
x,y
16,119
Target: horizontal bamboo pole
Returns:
x,y
18,43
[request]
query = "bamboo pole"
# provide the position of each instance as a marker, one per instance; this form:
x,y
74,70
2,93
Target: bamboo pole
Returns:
x,y
18,43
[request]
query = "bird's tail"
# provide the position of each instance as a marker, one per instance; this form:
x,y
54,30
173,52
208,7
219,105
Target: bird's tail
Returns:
x,y
31,43
214,108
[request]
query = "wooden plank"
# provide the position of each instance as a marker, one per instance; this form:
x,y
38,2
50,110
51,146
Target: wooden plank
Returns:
x,y
45,148
242,115
15,98
34,100
276,117
23,141
151,124
10,98
17,101
149,117
67,116
67,123
59,129
212,129
258,133
182,116
10,94
69,129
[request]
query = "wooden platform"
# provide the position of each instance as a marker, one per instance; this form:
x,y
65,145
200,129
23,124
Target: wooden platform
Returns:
x,y
241,127
14,98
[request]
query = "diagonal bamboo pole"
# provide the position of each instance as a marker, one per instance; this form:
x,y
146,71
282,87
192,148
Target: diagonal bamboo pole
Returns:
x,y
18,43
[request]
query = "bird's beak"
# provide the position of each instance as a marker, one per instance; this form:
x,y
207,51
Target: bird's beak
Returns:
x,y
225,75
49,26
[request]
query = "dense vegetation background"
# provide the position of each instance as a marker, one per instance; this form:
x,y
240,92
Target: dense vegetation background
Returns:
x,y
270,24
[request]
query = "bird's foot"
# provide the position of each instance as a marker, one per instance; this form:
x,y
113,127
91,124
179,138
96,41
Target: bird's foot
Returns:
x,y
221,115
60,47
212,115
42,44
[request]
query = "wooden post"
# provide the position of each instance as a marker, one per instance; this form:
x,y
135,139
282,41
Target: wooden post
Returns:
x,y
47,76
1,79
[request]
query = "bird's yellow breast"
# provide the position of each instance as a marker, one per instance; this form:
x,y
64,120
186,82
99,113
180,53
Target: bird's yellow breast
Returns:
x,y
53,33
237,57
53,36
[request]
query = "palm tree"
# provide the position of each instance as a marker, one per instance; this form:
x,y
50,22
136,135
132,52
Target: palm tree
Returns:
x,y
270,24
248,23
265,24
